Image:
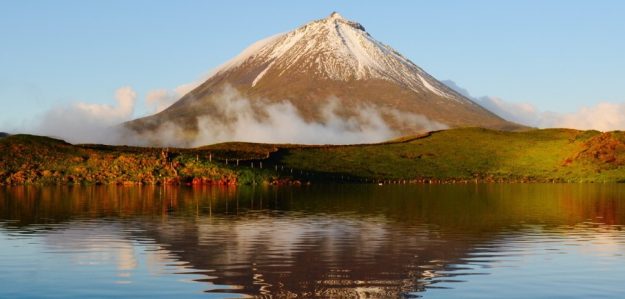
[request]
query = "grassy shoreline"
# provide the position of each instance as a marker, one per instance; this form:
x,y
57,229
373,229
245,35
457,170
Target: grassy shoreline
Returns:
x,y
468,155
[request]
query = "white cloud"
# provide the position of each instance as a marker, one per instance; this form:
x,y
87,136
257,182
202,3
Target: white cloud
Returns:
x,y
281,122
109,114
84,122
523,113
242,119
159,99
603,116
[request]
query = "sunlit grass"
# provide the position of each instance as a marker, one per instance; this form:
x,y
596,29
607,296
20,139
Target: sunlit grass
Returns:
x,y
469,154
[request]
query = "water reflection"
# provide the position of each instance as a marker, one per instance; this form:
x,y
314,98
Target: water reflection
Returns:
x,y
329,241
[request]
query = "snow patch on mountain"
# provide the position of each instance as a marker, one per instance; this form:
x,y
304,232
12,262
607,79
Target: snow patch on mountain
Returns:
x,y
431,88
335,48
247,53
261,74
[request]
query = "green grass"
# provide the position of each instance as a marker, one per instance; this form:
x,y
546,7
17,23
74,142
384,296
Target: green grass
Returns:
x,y
466,154
469,154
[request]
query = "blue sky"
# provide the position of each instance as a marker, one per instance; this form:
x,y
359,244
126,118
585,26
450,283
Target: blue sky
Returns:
x,y
555,55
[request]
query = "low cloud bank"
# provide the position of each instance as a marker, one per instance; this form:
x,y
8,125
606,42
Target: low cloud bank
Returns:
x,y
603,116
259,120
88,123
242,119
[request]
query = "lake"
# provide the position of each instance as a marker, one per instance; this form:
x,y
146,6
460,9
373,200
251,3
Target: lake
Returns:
x,y
429,241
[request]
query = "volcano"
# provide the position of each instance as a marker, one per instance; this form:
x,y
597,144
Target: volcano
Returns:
x,y
331,59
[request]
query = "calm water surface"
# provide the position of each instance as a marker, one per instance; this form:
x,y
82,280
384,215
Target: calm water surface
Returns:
x,y
460,241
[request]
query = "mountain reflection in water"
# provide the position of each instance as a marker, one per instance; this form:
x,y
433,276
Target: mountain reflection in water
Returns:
x,y
327,241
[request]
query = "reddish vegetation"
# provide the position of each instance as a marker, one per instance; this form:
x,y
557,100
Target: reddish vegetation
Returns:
x,y
606,149
40,160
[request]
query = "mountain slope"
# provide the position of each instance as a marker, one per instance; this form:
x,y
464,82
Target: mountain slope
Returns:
x,y
331,58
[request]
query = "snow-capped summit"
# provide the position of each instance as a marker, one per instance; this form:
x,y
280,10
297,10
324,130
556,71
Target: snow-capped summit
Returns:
x,y
337,49
329,58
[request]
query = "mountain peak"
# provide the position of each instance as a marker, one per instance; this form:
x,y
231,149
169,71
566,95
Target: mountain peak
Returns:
x,y
327,58
336,49
335,19
335,15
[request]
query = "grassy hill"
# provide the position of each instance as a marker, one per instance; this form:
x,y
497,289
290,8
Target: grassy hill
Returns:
x,y
472,153
458,155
